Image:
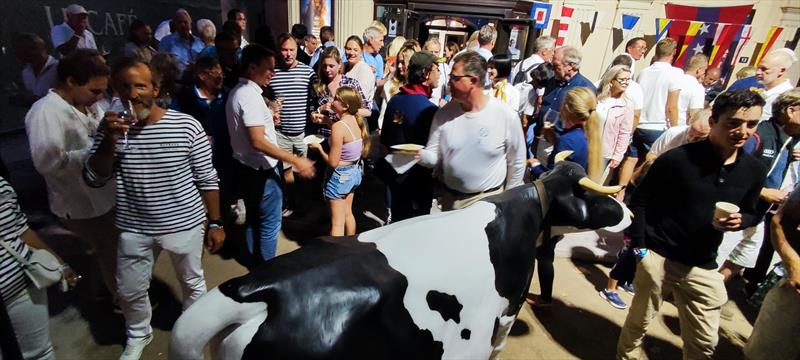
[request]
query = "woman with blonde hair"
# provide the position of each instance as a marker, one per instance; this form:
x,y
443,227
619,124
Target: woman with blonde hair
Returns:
x,y
581,135
396,80
349,143
616,114
330,80
391,54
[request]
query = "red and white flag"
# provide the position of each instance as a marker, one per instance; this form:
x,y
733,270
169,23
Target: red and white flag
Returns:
x,y
743,39
563,27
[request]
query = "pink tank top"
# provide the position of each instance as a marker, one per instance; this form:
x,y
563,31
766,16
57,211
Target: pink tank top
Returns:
x,y
351,152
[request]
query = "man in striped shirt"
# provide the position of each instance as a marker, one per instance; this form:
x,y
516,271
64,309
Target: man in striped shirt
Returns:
x,y
292,83
165,185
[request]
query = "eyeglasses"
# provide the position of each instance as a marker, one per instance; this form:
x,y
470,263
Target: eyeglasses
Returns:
x,y
623,80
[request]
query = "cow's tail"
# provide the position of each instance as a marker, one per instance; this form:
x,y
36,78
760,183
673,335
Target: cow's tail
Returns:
x,y
206,318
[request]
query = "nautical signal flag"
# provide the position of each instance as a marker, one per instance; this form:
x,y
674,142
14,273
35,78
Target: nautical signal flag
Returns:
x,y
662,26
772,35
540,13
725,35
566,16
629,21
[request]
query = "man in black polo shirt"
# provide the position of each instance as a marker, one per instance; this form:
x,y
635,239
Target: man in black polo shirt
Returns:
x,y
674,231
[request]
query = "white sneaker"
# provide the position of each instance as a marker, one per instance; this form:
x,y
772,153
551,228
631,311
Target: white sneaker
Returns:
x,y
134,347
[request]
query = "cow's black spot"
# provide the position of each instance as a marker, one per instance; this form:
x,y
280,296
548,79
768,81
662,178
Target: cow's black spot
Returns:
x,y
465,334
512,238
445,304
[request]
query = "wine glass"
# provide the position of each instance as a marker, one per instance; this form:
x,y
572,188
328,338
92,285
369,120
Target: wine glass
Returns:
x,y
128,116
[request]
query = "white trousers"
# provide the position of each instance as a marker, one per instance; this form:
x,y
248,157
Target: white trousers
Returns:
x,y
135,259
31,323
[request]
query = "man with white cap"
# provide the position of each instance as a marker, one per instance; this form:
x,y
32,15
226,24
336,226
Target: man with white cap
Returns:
x,y
73,33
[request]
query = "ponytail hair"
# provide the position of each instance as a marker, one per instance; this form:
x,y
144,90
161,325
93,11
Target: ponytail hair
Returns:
x,y
352,99
580,106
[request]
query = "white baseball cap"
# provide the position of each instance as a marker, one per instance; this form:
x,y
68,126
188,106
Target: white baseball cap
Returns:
x,y
75,9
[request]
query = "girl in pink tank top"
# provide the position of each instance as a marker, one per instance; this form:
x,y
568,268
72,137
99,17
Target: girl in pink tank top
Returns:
x,y
349,143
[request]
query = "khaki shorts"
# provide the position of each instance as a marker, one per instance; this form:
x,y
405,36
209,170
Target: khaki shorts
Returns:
x,y
293,144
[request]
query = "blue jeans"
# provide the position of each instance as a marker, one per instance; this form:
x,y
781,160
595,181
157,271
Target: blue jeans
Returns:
x,y
263,199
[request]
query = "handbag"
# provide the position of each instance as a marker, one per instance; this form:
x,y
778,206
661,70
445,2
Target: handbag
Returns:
x,y
43,268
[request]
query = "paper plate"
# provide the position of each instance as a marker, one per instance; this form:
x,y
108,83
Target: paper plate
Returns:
x,y
407,147
313,139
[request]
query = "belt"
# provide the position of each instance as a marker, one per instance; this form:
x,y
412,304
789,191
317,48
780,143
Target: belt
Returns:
x,y
475,193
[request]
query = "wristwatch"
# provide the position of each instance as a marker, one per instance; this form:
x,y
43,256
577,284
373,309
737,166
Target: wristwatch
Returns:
x,y
215,224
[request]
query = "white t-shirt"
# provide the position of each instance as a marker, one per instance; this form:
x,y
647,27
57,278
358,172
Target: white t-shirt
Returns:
x,y
61,33
366,78
61,138
246,108
670,139
476,151
634,95
657,81
770,96
40,84
692,97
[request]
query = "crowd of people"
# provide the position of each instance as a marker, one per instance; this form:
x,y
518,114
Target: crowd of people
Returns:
x,y
187,134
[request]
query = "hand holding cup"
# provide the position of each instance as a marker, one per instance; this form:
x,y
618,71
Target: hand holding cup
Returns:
x,y
726,217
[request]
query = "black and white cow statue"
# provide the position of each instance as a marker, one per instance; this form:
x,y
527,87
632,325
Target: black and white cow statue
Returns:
x,y
446,285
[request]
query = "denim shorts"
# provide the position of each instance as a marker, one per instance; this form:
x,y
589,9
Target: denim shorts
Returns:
x,y
342,181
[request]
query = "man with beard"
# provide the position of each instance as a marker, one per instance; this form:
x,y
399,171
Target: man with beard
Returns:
x,y
291,85
675,232
166,191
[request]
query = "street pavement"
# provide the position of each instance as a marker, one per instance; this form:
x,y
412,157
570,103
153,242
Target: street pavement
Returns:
x,y
579,324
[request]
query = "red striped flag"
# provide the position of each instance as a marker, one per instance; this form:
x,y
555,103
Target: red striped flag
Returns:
x,y
563,27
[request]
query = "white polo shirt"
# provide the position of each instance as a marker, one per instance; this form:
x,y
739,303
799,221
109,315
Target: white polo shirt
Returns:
x,y
61,33
246,108
40,84
657,81
770,96
692,97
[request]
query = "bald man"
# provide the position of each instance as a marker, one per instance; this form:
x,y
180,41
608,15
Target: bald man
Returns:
x,y
712,84
181,43
772,72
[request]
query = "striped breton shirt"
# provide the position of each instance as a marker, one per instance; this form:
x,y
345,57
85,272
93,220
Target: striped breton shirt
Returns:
x,y
12,224
293,86
160,176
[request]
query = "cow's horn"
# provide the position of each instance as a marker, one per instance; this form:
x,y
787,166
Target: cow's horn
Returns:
x,y
588,184
562,155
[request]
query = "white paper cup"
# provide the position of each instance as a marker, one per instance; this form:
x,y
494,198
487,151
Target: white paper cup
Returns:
x,y
724,209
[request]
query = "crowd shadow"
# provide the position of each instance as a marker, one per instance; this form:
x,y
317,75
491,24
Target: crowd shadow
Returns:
x,y
727,348
587,335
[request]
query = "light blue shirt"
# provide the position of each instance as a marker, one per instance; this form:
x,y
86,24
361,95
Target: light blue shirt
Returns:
x,y
185,52
376,61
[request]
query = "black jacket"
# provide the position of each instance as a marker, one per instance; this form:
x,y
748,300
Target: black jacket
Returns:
x,y
674,205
